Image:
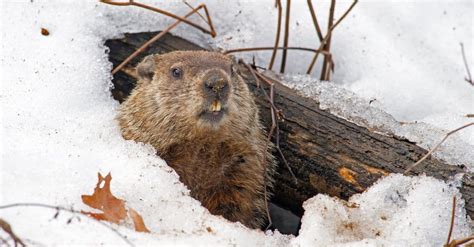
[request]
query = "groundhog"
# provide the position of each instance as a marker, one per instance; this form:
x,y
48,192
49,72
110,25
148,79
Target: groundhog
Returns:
x,y
196,110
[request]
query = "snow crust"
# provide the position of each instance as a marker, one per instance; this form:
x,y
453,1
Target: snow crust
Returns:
x,y
58,128
396,211
347,104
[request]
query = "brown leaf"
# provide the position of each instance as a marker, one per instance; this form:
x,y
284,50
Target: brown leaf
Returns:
x,y
137,221
113,208
44,32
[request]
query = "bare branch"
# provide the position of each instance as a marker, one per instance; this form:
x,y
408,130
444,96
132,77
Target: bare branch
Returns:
x,y
455,242
453,215
158,36
327,46
40,205
8,229
436,147
199,14
181,19
315,20
287,34
313,62
468,78
274,48
277,134
277,37
458,242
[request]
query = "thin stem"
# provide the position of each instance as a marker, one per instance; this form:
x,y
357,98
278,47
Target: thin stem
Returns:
x,y
40,205
436,147
277,38
199,14
141,5
315,20
273,48
277,136
453,215
152,40
469,78
313,62
8,229
458,242
287,34
327,46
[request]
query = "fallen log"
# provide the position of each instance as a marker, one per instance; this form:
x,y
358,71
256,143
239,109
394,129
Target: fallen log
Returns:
x,y
327,154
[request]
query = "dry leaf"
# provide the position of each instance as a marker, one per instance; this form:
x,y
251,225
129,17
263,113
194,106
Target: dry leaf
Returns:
x,y
113,208
137,221
44,32
102,199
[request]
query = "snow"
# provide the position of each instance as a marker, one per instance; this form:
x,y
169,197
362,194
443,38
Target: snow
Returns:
x,y
402,212
346,104
58,127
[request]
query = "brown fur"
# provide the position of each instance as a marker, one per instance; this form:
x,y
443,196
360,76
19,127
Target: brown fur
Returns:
x,y
222,162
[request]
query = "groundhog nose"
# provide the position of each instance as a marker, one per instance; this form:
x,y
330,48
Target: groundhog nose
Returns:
x,y
216,84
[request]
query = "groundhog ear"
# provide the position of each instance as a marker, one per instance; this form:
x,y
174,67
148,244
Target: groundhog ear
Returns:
x,y
234,66
146,68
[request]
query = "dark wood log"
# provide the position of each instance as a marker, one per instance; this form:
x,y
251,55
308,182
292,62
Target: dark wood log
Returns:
x,y
327,154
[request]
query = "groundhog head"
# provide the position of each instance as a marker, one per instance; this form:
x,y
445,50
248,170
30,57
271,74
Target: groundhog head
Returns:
x,y
202,89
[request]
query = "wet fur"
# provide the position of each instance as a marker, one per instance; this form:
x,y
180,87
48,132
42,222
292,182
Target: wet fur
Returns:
x,y
223,164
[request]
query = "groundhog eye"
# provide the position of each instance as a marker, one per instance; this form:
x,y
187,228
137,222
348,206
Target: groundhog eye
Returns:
x,y
176,72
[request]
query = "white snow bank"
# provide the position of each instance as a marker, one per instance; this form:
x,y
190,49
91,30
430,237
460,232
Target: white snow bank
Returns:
x,y
396,211
58,131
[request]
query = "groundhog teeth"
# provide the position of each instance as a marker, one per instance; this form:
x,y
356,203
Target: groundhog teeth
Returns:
x,y
215,106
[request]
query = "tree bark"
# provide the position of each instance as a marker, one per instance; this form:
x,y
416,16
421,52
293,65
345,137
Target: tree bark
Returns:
x,y
327,154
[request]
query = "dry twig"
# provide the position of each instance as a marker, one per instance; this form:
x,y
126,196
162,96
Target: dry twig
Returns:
x,y
315,20
275,113
468,78
277,38
458,242
199,14
328,35
182,19
8,229
274,48
166,30
287,33
58,208
274,129
455,242
436,147
453,215
327,46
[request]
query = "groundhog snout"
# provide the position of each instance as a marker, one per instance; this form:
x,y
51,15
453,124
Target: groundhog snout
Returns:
x,y
216,86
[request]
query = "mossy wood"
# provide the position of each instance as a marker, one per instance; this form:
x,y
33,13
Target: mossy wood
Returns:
x,y
327,153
